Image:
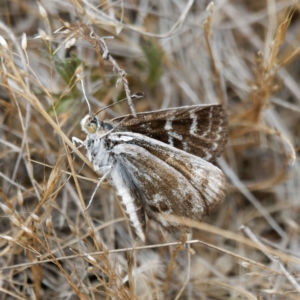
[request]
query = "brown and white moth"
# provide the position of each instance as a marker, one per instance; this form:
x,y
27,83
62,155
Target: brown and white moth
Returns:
x,y
160,161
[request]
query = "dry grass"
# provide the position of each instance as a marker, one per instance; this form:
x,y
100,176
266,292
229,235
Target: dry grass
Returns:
x,y
244,54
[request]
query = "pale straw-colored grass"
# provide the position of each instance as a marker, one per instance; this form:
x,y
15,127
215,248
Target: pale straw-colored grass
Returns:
x,y
243,54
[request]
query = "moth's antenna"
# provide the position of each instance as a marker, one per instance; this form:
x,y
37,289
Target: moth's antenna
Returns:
x,y
134,96
84,95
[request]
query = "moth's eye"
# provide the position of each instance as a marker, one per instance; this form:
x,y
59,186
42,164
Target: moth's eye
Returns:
x,y
91,126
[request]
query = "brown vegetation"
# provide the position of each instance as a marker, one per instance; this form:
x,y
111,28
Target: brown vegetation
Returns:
x,y
243,54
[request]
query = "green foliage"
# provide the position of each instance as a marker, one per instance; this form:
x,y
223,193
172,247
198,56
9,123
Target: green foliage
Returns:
x,y
154,57
66,68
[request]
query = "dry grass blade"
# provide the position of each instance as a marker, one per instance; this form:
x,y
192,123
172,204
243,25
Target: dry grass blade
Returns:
x,y
245,56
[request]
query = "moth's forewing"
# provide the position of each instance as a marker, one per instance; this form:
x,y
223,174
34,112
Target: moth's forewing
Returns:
x,y
199,129
206,178
169,180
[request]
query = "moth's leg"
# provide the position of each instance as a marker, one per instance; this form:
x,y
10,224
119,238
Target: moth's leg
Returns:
x,y
78,141
81,143
74,141
108,168
81,168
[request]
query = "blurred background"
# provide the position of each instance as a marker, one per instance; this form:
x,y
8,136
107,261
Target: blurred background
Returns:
x,y
243,54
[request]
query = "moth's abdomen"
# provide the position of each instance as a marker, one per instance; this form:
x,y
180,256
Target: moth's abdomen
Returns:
x,y
130,199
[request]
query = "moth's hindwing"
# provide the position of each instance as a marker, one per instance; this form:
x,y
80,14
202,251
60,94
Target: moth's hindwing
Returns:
x,y
169,180
198,129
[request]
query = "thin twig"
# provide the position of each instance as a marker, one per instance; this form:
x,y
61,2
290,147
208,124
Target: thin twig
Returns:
x,y
239,184
252,262
188,269
273,258
217,76
101,45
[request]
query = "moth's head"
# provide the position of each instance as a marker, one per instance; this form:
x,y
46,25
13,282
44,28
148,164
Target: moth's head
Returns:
x,y
90,124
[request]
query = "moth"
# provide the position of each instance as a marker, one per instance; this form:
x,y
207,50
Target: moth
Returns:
x,y
160,162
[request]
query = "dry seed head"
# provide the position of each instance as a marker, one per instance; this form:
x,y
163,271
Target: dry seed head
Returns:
x,y
210,7
91,259
8,238
42,35
78,70
24,41
6,209
120,270
70,43
245,264
191,251
4,71
118,29
270,292
42,11
66,24
292,224
35,217
15,221
3,42
49,224
26,229
20,197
